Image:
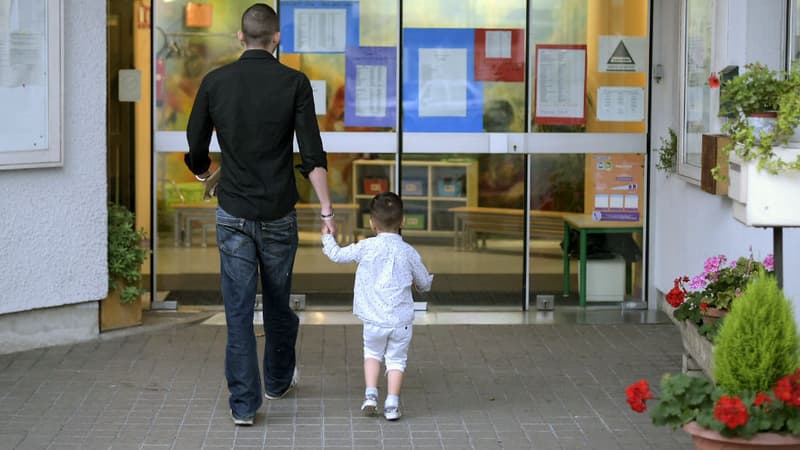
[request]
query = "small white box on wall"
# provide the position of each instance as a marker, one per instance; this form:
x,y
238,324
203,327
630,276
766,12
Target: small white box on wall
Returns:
x,y
605,279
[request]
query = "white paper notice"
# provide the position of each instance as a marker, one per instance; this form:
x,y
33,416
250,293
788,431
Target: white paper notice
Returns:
x,y
442,82
370,91
320,30
498,44
320,96
560,83
620,104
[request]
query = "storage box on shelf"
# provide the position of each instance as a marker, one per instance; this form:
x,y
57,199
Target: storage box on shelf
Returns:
x,y
429,190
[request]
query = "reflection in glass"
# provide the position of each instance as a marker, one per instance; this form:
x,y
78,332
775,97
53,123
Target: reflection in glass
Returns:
x,y
614,34
576,188
697,94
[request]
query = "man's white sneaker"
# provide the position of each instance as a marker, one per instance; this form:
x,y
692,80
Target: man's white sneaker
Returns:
x,y
292,384
370,406
391,412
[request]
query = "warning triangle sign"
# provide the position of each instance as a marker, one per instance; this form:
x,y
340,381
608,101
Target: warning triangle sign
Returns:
x,y
621,56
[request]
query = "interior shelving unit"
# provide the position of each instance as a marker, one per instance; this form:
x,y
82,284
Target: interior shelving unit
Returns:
x,y
428,188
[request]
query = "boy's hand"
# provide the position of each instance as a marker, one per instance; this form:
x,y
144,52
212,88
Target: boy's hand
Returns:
x,y
325,230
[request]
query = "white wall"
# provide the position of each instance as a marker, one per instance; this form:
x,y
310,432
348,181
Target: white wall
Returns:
x,y
53,221
687,224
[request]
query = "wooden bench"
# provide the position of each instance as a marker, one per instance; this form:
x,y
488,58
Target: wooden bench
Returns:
x,y
188,215
474,223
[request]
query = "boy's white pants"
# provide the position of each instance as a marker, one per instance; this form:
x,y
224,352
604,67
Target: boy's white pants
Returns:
x,y
389,343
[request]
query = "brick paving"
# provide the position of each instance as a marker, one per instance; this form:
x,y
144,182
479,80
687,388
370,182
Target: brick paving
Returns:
x,y
467,387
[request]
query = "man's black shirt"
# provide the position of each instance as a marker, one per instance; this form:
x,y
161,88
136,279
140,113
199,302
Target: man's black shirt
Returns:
x,y
255,105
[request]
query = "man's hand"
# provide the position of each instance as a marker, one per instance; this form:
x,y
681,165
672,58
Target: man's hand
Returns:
x,y
211,184
328,226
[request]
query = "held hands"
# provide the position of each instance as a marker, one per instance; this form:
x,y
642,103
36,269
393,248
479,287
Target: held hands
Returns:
x,y
328,223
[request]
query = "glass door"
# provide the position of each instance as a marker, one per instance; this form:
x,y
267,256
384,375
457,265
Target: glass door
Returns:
x,y
462,173
588,119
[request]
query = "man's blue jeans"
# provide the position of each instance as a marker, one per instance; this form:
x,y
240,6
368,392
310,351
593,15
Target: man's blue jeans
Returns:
x,y
247,248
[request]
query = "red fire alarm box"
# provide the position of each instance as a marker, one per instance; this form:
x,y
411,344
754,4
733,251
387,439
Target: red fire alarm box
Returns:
x,y
198,15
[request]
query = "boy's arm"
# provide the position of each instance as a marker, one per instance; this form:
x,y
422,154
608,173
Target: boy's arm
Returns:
x,y
422,279
351,253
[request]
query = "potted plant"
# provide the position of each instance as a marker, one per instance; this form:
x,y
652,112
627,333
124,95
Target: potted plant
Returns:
x,y
756,396
763,110
122,307
711,294
667,153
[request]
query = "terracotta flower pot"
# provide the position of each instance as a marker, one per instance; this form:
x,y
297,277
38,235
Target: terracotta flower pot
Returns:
x,y
712,314
705,439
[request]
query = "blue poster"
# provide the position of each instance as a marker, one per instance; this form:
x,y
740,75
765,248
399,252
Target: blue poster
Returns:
x,y
318,26
439,88
370,98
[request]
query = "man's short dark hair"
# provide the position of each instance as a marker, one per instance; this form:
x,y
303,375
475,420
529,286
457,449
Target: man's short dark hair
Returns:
x,y
386,210
259,25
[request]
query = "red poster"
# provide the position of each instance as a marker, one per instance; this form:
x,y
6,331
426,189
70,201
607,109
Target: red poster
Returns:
x,y
499,54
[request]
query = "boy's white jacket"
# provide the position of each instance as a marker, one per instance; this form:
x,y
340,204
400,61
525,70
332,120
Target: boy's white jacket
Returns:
x,y
387,269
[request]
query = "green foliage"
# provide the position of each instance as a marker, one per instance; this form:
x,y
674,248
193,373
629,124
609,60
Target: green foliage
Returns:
x,y
756,90
761,90
125,253
689,309
668,153
758,342
682,399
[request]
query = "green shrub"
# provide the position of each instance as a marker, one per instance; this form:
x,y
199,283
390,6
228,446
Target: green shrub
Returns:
x,y
125,253
758,342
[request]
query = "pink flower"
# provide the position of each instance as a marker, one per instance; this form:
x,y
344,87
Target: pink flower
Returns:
x,y
769,262
697,283
713,264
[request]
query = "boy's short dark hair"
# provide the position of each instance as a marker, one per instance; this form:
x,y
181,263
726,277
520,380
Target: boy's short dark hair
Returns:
x,y
386,211
259,24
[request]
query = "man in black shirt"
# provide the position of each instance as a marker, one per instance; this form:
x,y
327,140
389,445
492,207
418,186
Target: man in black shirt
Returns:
x,y
256,104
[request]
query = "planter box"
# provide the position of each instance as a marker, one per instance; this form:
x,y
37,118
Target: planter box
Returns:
x,y
698,347
762,199
114,314
713,154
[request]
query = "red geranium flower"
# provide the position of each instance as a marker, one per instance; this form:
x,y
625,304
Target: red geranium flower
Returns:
x,y
762,398
787,389
713,81
703,306
730,411
637,394
677,294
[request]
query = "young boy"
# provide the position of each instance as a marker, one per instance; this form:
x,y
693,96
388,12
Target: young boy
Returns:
x,y
387,267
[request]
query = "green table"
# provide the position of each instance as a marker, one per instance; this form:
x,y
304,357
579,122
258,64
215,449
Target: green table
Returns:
x,y
585,225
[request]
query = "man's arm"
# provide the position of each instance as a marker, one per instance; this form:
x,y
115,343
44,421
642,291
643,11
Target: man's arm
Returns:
x,y
314,164
319,181
198,133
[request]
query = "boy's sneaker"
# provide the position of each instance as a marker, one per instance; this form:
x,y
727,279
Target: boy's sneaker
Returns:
x,y
391,412
292,385
370,405
245,421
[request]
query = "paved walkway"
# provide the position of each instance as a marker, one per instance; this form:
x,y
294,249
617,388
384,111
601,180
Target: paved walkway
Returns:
x,y
467,386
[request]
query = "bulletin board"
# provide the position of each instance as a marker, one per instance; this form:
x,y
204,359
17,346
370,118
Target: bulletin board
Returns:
x,y
30,83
